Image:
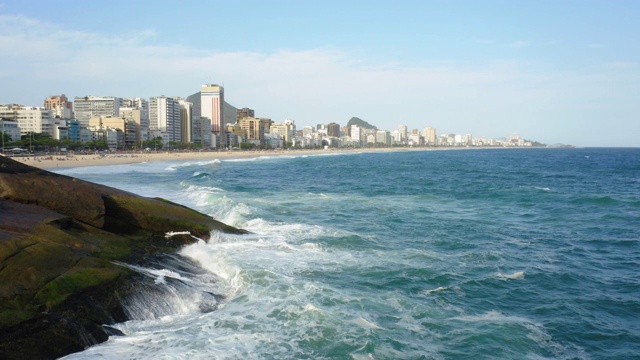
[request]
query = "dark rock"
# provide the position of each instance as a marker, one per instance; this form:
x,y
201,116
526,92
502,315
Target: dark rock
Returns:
x,y
60,241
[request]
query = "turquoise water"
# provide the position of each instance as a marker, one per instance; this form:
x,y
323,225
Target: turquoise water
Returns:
x,y
467,254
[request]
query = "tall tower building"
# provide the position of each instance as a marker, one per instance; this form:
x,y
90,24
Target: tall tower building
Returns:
x,y
429,134
333,129
186,120
212,105
164,118
356,133
403,133
95,106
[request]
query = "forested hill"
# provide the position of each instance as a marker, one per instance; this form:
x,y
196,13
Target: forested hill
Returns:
x,y
363,124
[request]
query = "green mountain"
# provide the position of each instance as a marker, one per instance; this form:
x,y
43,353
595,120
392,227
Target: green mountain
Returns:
x,y
361,123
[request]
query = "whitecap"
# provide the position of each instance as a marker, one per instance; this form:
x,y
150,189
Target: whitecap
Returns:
x,y
310,307
518,275
438,289
175,167
366,323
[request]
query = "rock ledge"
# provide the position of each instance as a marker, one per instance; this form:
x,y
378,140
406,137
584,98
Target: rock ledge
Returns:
x,y
60,241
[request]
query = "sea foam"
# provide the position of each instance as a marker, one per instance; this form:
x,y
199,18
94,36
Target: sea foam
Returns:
x,y
518,275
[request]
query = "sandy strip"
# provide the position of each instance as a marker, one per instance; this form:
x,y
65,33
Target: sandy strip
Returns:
x,y
78,160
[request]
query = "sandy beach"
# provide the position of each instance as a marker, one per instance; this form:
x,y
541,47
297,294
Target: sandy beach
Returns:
x,y
78,160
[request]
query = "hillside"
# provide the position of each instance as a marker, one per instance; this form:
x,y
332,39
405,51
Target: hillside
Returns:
x,y
361,123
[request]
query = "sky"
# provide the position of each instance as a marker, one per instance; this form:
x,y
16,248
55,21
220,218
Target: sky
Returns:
x,y
551,71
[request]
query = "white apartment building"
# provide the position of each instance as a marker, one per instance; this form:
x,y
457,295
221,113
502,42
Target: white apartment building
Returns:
x,y
383,137
30,119
164,118
356,133
402,129
95,106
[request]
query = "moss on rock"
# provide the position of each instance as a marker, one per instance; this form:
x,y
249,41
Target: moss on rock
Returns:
x,y
60,239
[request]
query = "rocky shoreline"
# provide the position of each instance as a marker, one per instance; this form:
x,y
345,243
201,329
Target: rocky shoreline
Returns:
x,y
61,242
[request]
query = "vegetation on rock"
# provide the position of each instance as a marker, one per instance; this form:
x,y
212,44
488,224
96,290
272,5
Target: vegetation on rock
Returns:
x,y
60,242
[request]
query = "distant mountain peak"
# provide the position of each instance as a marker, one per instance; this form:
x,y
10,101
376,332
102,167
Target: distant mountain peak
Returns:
x,y
361,123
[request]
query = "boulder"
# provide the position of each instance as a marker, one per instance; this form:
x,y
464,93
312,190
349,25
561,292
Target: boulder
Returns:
x,y
61,240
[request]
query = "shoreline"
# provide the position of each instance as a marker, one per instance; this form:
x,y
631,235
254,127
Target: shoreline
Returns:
x,y
51,162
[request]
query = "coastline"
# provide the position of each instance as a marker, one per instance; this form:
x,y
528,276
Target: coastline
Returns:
x,y
83,160
50,162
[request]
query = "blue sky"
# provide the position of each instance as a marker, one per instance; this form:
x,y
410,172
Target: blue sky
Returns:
x,y
552,71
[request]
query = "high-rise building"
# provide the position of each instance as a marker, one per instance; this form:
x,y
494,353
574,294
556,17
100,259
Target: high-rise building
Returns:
x,y
333,129
254,129
60,106
429,134
356,133
143,119
212,105
403,133
266,124
164,118
383,137
134,115
186,120
201,132
94,106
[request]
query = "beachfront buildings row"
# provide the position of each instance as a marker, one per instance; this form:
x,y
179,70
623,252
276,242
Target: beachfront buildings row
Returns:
x,y
203,119
122,122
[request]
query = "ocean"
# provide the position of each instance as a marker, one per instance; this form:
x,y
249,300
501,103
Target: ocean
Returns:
x,y
459,254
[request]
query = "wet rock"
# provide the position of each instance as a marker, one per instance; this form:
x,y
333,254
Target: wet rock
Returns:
x,y
61,239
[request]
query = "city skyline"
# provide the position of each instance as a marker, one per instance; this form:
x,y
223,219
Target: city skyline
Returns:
x,y
550,71
127,123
